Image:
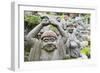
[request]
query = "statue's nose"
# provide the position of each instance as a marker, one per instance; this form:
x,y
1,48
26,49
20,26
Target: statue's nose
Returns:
x,y
49,43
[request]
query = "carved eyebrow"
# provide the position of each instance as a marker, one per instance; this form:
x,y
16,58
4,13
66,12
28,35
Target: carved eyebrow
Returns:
x,y
46,38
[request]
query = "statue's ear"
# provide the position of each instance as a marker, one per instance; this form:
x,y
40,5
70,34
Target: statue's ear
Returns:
x,y
42,38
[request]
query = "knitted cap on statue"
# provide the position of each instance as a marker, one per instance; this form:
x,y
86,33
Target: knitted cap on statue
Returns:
x,y
49,33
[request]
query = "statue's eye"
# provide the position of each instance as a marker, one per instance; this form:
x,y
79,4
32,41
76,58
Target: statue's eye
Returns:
x,y
46,40
52,40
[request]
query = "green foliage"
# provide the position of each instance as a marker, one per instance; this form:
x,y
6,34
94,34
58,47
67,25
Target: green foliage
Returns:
x,y
53,28
87,16
32,20
86,51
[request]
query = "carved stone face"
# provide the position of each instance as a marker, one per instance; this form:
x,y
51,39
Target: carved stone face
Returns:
x,y
49,43
70,28
45,20
58,19
85,35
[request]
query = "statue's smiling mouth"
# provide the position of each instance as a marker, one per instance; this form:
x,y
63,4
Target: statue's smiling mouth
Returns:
x,y
49,47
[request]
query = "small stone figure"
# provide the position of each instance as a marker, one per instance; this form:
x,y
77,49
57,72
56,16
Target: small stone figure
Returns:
x,y
73,45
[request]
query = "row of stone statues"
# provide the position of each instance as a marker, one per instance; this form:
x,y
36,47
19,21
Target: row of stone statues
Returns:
x,y
48,45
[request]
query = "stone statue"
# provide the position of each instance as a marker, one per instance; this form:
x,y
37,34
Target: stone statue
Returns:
x,y
73,45
49,46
